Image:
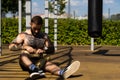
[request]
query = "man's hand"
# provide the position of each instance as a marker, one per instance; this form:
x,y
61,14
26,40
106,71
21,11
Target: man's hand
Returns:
x,y
15,47
39,51
29,49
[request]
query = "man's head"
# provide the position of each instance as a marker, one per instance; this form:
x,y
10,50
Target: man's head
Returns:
x,y
36,24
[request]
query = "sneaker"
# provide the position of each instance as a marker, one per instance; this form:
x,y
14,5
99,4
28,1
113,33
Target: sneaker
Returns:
x,y
71,69
36,75
41,73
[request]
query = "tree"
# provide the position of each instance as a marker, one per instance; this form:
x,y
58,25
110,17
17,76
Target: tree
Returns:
x,y
11,6
61,4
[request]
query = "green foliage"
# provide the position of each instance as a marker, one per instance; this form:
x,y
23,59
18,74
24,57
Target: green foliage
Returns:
x,y
70,32
111,33
61,4
10,29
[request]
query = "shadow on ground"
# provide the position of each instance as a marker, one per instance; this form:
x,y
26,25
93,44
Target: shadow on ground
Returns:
x,y
105,53
63,56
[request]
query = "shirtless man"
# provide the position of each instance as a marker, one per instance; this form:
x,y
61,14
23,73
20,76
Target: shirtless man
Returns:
x,y
33,41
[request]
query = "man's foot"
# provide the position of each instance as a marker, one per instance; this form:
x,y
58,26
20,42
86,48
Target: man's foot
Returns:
x,y
71,69
36,75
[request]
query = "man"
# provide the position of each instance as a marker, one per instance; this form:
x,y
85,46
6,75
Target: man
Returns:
x,y
32,42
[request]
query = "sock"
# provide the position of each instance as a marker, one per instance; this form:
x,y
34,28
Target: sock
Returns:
x,y
61,72
32,67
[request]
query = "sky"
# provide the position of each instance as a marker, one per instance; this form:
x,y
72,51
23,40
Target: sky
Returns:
x,y
80,7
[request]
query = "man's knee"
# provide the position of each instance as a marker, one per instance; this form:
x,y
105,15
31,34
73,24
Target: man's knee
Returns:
x,y
24,54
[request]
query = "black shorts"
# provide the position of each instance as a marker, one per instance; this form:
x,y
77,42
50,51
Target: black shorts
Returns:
x,y
37,60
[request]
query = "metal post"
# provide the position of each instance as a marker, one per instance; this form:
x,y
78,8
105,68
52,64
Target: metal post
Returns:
x,y
46,16
20,16
28,13
109,17
92,44
55,25
0,31
69,8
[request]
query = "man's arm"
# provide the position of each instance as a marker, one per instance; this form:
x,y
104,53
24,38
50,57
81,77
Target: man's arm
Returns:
x,y
14,47
16,44
49,47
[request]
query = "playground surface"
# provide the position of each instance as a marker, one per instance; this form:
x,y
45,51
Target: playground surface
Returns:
x,y
101,64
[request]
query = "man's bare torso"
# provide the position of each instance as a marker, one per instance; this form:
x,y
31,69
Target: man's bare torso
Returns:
x,y
30,40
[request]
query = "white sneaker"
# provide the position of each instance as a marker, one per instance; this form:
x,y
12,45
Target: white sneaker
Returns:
x,y
41,73
36,75
71,69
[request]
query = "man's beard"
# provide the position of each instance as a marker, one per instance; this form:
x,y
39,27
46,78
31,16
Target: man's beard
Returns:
x,y
34,34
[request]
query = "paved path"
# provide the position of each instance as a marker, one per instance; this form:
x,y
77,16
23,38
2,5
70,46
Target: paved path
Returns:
x,y
101,64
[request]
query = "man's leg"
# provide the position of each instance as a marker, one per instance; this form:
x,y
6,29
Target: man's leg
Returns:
x,y
65,73
52,68
28,65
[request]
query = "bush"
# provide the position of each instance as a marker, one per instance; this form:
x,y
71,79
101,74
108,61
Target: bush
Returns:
x,y
70,32
10,29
